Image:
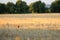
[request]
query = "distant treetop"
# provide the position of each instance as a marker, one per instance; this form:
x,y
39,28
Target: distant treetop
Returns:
x,y
19,0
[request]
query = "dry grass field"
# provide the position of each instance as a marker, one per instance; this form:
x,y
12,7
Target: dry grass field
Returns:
x,y
30,26
30,21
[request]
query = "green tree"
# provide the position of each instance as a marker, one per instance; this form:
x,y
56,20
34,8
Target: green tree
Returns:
x,y
21,7
57,0
55,7
10,7
2,8
37,7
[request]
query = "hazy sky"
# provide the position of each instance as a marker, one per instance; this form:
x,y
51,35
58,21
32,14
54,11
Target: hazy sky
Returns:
x,y
28,1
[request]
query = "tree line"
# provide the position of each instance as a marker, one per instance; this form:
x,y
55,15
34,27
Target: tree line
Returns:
x,y
35,7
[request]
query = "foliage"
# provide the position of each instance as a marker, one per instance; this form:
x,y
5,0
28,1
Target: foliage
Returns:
x,y
37,7
10,7
21,7
55,7
2,8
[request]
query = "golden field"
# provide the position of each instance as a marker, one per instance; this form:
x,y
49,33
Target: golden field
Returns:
x,y
31,21
30,26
